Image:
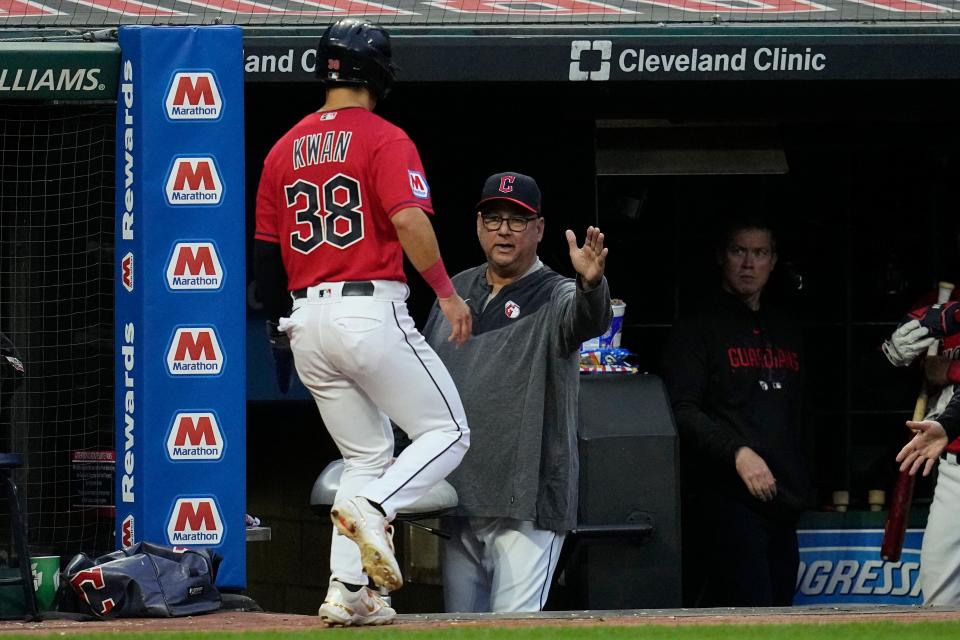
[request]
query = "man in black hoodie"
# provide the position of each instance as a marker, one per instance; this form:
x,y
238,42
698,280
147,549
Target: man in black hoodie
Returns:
x,y
733,371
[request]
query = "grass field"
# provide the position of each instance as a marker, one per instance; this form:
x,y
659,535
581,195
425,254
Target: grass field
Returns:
x,y
833,631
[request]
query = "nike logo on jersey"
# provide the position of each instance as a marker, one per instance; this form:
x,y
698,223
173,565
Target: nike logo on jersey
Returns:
x,y
320,148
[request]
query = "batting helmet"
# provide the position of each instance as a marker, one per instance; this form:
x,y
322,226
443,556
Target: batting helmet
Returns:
x,y
356,52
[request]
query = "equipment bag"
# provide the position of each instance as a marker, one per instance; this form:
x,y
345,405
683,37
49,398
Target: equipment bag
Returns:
x,y
145,581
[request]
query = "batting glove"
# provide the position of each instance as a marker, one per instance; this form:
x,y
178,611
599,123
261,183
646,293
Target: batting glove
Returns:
x,y
907,342
282,355
941,319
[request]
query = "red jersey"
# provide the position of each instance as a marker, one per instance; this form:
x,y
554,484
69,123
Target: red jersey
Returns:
x,y
328,189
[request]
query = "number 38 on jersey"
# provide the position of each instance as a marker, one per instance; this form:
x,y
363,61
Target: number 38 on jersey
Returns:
x,y
330,213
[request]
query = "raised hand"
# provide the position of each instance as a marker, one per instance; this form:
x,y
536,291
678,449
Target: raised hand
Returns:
x,y
590,259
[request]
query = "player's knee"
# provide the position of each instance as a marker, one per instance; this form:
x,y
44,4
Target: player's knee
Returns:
x,y
458,433
458,436
460,444
464,439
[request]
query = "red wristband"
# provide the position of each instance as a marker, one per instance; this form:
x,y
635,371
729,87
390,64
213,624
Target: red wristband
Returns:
x,y
436,276
953,372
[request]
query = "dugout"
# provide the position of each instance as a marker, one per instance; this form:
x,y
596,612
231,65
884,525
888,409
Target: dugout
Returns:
x,y
856,160
854,170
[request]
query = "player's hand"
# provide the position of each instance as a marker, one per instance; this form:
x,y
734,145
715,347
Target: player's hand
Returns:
x,y
906,343
936,370
459,316
590,259
925,447
755,473
282,355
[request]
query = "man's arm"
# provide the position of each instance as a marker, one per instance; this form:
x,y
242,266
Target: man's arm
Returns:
x,y
270,276
589,313
419,243
941,371
268,270
950,418
686,372
271,279
271,284
586,315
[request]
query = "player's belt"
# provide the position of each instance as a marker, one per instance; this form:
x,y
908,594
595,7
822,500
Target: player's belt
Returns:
x,y
353,288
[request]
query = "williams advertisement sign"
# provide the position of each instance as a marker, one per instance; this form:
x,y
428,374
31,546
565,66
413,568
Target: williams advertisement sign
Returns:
x,y
58,71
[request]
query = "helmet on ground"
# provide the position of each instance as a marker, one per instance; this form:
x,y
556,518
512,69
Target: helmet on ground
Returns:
x,y
356,52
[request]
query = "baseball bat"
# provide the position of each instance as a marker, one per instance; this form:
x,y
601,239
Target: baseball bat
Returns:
x,y
899,514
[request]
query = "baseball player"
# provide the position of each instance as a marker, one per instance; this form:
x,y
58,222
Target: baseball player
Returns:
x,y
940,552
342,196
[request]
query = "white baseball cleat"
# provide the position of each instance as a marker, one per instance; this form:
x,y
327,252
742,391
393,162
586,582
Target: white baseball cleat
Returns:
x,y
360,521
345,608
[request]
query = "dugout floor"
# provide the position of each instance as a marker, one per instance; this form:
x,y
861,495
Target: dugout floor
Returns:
x,y
246,621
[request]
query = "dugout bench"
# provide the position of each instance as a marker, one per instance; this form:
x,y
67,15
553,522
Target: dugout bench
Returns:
x,y
625,551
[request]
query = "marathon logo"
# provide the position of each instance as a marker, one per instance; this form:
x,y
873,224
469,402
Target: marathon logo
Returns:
x,y
194,266
418,184
127,534
195,436
844,567
195,521
194,181
194,95
195,351
126,272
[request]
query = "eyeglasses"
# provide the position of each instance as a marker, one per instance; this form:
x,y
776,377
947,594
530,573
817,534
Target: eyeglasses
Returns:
x,y
494,223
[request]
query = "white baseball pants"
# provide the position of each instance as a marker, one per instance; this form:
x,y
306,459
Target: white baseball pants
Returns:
x,y
940,553
497,564
365,364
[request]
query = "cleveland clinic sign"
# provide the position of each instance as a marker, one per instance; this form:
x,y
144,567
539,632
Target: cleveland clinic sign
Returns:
x,y
519,56
639,60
